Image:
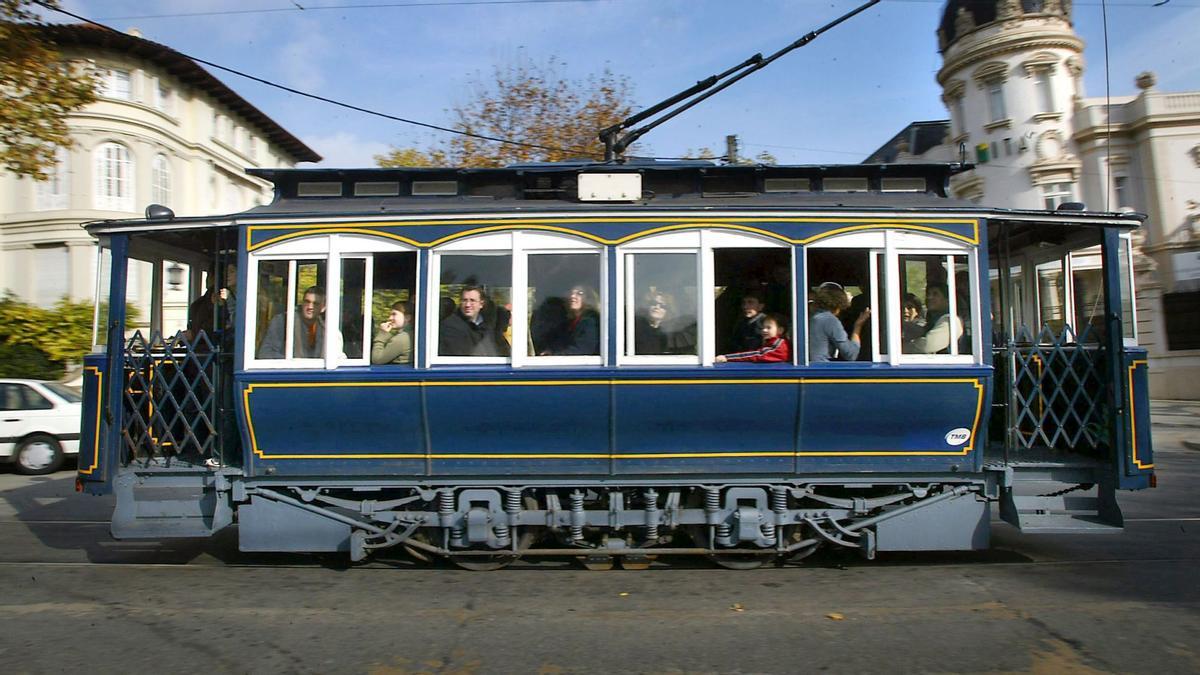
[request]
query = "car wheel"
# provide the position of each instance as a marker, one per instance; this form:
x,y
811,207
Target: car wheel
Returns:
x,y
39,454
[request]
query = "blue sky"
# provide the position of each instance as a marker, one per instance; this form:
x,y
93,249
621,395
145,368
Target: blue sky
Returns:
x,y
835,100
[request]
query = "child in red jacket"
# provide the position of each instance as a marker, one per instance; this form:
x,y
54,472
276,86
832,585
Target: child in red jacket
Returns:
x,y
774,348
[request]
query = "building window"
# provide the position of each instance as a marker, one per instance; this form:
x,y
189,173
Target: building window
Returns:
x,y
1055,194
164,99
1045,91
52,282
160,180
114,178
959,121
253,147
116,83
1121,191
995,96
55,192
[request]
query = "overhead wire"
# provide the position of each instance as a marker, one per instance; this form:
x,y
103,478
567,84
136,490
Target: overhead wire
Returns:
x,y
341,104
318,8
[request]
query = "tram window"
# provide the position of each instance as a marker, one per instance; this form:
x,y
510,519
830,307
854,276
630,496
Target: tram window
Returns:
x,y
475,297
1128,321
353,297
1005,318
944,284
749,280
393,283
564,304
1088,288
1052,296
839,283
291,309
661,309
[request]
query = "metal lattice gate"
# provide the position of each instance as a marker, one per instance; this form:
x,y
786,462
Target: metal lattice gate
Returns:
x,y
170,398
1058,394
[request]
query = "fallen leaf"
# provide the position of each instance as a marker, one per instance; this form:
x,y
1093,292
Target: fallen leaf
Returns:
x,y
737,607
623,594
835,616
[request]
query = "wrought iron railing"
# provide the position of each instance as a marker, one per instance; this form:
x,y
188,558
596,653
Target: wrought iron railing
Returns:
x,y
171,399
1057,392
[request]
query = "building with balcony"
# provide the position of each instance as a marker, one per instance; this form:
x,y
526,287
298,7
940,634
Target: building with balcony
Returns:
x,y
1012,82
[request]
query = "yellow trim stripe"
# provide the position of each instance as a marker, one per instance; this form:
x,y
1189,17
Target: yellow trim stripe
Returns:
x,y
1133,415
96,437
557,225
967,448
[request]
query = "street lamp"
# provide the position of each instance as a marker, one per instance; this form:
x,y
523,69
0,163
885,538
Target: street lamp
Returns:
x,y
175,276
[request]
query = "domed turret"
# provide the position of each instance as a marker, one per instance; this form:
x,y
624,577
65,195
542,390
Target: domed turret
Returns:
x,y
1011,73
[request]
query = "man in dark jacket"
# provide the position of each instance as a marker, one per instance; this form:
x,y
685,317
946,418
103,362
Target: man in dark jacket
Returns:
x,y
466,332
747,333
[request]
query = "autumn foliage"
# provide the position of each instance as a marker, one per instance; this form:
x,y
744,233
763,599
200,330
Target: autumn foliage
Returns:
x,y
532,103
39,92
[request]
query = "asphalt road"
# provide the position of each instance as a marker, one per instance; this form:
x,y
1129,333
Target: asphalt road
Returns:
x,y
71,599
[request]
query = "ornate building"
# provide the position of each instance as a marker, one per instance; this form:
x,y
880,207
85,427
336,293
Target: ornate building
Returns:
x,y
163,131
1012,81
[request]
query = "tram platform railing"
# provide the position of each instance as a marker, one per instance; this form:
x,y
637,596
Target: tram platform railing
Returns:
x,y
1056,394
171,400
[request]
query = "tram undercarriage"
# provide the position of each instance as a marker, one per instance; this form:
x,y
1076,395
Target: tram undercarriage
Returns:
x,y
737,526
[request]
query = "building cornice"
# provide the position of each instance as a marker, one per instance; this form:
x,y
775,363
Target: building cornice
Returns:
x,y
1007,43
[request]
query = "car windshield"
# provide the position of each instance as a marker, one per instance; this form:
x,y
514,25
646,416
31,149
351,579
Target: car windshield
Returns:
x,y
68,394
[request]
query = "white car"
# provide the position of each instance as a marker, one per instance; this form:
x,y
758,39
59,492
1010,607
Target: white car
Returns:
x,y
39,424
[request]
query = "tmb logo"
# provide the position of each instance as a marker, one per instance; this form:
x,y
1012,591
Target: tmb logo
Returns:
x,y
958,436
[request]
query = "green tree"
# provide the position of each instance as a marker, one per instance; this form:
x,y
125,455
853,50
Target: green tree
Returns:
x,y
39,89
40,342
532,103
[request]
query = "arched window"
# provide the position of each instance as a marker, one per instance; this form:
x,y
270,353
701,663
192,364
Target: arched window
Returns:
x,y
160,180
114,178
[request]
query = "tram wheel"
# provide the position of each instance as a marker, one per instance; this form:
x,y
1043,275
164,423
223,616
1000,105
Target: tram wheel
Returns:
x,y
478,563
596,563
730,561
637,563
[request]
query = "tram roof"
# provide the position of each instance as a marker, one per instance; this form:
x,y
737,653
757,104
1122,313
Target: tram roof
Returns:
x,y
666,186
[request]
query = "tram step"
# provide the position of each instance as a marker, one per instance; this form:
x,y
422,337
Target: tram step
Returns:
x,y
168,506
1063,514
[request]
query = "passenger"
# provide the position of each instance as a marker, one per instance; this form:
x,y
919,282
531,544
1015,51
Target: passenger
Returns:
x,y
201,312
774,347
308,337
582,330
649,331
827,339
393,340
936,338
747,333
466,333
548,326
912,325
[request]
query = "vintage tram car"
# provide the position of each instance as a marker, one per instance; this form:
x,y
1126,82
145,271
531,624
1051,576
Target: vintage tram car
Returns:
x,y
264,409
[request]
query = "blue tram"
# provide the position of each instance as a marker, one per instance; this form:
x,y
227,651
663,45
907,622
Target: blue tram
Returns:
x,y
487,364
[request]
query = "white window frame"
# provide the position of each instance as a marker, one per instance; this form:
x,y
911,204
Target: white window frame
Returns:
x,y
1056,194
54,193
519,245
160,180
1043,85
114,173
332,250
116,83
701,243
893,244
997,106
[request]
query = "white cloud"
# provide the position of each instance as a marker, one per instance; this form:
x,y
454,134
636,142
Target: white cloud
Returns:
x,y
345,150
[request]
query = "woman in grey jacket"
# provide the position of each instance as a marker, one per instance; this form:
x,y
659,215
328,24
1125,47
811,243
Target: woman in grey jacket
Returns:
x,y
827,339
393,340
